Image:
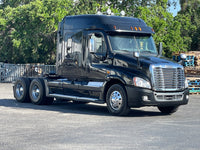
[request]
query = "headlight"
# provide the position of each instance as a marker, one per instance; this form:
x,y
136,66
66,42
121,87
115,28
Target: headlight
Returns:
x,y
141,83
186,83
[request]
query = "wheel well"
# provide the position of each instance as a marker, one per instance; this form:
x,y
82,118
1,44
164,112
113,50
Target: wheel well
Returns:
x,y
109,84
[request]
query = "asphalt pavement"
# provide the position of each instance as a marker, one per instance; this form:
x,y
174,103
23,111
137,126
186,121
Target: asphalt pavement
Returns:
x,y
69,126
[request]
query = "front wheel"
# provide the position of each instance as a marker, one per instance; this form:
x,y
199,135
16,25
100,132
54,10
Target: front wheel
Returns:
x,y
168,109
116,100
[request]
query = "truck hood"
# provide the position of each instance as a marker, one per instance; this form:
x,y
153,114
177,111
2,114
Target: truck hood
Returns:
x,y
131,63
156,60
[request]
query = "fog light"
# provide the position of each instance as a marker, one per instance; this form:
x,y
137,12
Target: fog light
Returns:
x,y
145,98
187,96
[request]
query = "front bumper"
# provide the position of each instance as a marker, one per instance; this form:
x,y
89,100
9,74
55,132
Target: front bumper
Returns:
x,y
138,97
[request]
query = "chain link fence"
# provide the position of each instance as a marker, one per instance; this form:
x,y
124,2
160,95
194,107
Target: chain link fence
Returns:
x,y
10,72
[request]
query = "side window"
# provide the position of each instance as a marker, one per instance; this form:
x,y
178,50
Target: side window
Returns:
x,y
97,43
60,49
68,50
77,42
73,46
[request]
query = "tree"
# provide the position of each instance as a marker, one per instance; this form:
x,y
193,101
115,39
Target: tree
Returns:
x,y
28,27
191,9
13,3
29,34
167,29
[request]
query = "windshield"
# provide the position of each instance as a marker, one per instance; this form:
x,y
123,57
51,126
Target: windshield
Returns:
x,y
143,44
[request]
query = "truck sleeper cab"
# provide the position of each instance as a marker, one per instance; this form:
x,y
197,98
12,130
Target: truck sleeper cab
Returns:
x,y
112,60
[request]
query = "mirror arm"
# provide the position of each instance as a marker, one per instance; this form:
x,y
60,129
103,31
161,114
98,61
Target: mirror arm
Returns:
x,y
137,55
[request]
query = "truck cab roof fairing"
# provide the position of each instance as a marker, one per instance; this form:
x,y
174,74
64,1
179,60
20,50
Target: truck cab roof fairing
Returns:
x,y
107,23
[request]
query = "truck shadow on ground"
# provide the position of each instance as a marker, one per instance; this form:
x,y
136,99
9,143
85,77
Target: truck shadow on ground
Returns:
x,y
70,107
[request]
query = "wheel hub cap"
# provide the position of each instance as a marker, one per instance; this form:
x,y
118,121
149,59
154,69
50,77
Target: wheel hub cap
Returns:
x,y
116,100
35,92
19,90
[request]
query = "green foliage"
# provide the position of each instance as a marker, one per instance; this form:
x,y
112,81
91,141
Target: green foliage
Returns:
x,y
167,29
29,33
28,27
191,11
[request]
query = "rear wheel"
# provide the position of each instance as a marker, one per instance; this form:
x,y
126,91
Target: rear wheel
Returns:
x,y
37,93
116,100
168,109
21,90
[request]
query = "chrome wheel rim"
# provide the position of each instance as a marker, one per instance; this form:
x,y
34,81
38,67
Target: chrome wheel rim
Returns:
x,y
35,93
19,90
116,100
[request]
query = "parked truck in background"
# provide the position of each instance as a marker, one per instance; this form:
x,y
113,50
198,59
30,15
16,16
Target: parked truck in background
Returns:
x,y
112,60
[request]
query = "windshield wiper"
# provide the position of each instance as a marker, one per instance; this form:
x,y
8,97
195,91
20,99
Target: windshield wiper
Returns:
x,y
123,51
148,52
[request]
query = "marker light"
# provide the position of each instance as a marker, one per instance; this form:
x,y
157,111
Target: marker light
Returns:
x,y
131,28
140,29
136,29
115,27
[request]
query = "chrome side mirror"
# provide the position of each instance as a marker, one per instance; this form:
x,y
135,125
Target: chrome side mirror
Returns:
x,y
91,46
183,56
136,54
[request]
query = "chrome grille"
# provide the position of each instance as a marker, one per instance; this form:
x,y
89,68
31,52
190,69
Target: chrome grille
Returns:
x,y
168,79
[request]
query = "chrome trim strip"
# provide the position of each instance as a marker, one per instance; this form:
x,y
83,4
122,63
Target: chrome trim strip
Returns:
x,y
87,99
169,97
95,84
63,96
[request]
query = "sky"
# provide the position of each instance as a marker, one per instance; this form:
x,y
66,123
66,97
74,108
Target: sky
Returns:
x,y
175,10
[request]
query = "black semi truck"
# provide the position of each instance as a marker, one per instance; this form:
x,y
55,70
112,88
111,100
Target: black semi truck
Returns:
x,y
112,60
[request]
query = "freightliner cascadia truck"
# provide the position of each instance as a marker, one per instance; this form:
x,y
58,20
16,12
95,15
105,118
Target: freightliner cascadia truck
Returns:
x,y
112,60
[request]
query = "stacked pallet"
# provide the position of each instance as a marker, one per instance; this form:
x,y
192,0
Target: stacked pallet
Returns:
x,y
176,57
194,85
189,62
195,55
192,69
192,59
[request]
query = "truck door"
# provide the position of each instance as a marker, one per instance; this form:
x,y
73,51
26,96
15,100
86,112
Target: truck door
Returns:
x,y
97,56
72,57
94,63
71,70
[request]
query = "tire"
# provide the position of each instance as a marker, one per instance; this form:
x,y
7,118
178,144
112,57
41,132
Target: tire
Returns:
x,y
168,110
37,92
21,90
116,100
